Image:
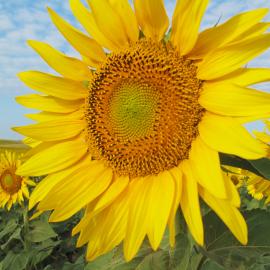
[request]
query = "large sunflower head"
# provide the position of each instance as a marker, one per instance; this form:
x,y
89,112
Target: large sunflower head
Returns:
x,y
13,188
132,131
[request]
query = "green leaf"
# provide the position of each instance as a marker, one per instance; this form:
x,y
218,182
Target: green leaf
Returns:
x,y
16,235
49,267
72,266
260,167
43,251
180,256
252,204
9,228
263,166
226,251
41,230
211,265
15,261
155,261
101,262
237,162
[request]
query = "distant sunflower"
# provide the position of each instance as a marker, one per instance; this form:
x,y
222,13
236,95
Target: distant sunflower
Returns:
x,y
258,187
133,130
13,187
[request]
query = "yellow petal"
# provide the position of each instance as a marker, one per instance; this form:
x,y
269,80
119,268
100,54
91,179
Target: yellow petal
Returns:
x,y
86,18
206,165
186,22
20,196
262,136
128,18
229,58
54,86
35,215
7,198
161,199
87,47
232,100
245,76
49,131
9,204
69,67
54,158
94,248
138,220
48,116
46,184
233,195
111,194
211,39
86,219
25,191
109,22
229,214
226,135
177,177
190,203
30,142
78,190
247,119
152,18
40,146
51,201
110,228
49,104
14,197
255,30
30,182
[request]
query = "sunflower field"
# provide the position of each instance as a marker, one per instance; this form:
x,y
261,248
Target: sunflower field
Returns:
x,y
139,153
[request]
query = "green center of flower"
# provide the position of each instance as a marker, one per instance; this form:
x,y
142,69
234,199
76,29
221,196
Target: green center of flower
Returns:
x,y
8,180
133,109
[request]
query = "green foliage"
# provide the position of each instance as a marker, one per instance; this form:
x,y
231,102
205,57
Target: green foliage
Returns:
x,y
37,244
260,167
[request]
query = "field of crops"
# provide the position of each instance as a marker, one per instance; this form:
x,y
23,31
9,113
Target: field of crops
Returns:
x,y
16,146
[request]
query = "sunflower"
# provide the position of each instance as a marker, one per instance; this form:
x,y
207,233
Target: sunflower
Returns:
x,y
258,187
13,188
132,131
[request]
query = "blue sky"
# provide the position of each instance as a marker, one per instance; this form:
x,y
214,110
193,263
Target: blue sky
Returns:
x,y
21,20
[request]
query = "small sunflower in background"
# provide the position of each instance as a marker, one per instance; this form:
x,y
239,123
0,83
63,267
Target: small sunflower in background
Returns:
x,y
132,131
258,187
13,188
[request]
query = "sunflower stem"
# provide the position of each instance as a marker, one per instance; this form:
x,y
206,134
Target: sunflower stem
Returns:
x,y
26,232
